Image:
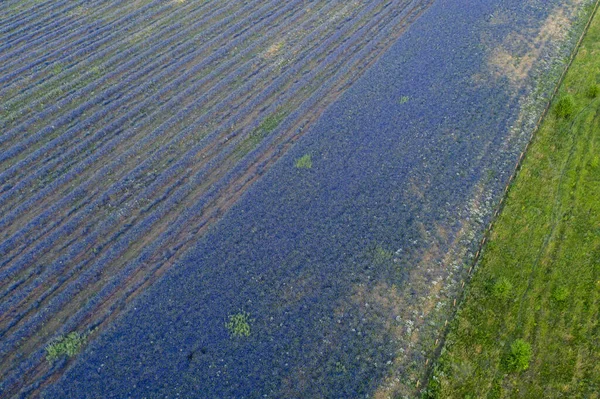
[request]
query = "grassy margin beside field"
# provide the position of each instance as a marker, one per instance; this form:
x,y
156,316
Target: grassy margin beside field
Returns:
x,y
528,325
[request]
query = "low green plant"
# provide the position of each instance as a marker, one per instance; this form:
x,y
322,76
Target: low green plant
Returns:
x,y
340,368
68,345
382,255
490,175
239,324
593,91
268,125
271,122
560,294
565,106
58,68
502,288
304,162
519,357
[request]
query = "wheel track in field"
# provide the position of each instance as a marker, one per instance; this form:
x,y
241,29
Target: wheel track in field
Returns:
x,y
198,185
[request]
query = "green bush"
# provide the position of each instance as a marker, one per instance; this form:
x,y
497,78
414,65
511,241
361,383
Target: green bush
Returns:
x,y
519,356
403,100
239,324
68,345
502,288
565,106
593,91
382,255
433,390
560,294
304,162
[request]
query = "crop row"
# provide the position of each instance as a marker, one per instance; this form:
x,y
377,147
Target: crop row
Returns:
x,y
57,76
185,49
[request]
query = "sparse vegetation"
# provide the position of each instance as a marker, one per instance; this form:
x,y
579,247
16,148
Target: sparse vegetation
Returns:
x,y
593,90
271,122
565,106
340,368
268,125
502,288
560,294
239,324
304,162
519,357
68,345
382,255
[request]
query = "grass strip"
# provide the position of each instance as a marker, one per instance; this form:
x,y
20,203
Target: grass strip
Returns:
x,y
529,326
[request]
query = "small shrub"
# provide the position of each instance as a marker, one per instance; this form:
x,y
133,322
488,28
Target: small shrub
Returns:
x,y
595,162
68,345
593,91
382,255
565,106
560,294
433,390
239,324
495,391
403,100
340,368
519,357
502,288
304,162
58,68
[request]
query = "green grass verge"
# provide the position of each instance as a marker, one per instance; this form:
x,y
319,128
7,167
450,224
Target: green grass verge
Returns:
x,y
529,326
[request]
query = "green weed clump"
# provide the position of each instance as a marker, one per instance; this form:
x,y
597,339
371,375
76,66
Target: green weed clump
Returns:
x,y
68,345
593,91
58,68
560,294
382,255
239,324
519,356
271,122
565,106
502,288
304,162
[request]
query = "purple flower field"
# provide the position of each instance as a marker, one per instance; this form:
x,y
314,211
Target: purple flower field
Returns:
x,y
326,168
